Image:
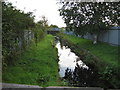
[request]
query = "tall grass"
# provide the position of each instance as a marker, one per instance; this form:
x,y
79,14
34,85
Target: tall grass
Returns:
x,y
102,58
105,52
36,66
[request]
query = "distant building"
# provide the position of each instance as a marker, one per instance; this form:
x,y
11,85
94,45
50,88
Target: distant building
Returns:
x,y
53,31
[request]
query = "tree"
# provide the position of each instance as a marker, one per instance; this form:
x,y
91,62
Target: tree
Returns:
x,y
38,32
14,23
40,27
43,23
53,26
89,17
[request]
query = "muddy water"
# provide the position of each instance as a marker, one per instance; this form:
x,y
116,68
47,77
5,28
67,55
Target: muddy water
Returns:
x,y
67,59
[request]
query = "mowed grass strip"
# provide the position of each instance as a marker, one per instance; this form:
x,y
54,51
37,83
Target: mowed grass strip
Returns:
x,y
105,52
36,66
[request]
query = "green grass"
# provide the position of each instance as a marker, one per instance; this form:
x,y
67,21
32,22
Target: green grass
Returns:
x,y
105,52
36,66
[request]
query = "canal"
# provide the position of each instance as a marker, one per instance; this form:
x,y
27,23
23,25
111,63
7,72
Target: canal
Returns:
x,y
67,59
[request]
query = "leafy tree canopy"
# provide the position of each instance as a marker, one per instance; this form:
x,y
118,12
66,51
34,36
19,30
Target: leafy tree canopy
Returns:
x,y
14,23
83,17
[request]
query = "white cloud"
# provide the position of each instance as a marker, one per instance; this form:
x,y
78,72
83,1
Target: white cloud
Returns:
x,y
48,8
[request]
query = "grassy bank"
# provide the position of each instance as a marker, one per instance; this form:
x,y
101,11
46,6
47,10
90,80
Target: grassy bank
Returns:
x,y
36,66
101,58
105,52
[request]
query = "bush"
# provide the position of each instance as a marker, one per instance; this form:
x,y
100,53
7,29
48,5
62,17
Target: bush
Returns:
x,y
14,24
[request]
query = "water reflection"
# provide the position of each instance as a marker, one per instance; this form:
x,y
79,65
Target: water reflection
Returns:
x,y
67,59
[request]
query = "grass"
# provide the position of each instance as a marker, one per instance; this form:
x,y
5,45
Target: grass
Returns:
x,y
36,66
105,52
102,58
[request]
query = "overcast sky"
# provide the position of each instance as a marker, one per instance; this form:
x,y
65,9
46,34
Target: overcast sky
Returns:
x,y
48,8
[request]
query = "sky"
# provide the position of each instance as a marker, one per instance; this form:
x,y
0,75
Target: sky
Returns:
x,y
47,8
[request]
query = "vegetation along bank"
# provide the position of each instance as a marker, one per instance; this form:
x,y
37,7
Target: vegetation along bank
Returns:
x,y
36,66
101,58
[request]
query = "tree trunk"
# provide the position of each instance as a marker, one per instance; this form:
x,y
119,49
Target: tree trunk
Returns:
x,y
82,36
95,39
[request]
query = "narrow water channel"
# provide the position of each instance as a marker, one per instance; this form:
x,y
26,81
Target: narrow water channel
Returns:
x,y
67,59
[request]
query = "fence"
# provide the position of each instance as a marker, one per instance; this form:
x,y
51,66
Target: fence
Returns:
x,y
112,36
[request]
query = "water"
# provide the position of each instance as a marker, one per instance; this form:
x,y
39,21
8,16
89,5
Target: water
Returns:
x,y
67,59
